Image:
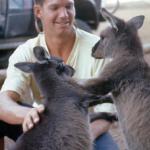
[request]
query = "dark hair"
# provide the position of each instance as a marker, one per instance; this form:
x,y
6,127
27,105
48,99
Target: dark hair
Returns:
x,y
39,2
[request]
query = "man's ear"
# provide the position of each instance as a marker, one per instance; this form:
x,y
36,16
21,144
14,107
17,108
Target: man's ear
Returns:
x,y
37,11
37,18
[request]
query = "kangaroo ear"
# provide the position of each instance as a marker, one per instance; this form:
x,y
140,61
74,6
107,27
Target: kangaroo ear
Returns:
x,y
137,21
65,69
40,53
110,18
69,70
25,67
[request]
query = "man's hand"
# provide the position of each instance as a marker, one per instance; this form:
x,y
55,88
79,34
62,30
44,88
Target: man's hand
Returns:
x,y
32,118
99,127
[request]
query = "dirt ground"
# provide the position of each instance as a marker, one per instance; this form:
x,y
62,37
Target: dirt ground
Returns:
x,y
126,11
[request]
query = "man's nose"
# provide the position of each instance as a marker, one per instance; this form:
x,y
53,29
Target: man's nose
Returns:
x,y
63,13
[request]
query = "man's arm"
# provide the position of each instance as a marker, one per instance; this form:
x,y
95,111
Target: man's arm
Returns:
x,y
99,127
13,113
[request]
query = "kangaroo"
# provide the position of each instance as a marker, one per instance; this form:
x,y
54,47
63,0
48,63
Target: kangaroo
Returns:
x,y
127,78
64,124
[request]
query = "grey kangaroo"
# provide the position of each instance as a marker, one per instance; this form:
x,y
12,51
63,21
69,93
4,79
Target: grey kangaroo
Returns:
x,y
64,125
127,77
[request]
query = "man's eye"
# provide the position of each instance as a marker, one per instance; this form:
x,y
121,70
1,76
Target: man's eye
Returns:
x,y
53,8
70,6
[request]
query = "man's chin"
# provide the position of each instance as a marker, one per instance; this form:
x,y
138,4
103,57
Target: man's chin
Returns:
x,y
64,30
62,33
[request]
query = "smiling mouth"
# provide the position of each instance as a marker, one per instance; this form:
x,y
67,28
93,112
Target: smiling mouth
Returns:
x,y
62,23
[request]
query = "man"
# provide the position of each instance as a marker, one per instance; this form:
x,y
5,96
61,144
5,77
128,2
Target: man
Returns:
x,y
61,39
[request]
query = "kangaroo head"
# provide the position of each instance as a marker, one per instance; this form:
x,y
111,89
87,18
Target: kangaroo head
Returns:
x,y
44,63
120,38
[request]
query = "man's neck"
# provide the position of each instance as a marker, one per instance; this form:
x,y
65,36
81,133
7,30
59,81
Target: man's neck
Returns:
x,y
61,46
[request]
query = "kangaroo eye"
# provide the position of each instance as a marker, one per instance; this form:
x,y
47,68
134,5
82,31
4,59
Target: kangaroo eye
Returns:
x,y
101,37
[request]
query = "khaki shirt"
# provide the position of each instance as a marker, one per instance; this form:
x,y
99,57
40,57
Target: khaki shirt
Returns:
x,y
80,59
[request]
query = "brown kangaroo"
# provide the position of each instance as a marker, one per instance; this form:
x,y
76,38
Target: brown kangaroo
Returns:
x,y
127,77
65,123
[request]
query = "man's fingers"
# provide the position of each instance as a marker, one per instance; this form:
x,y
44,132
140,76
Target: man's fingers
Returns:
x,y
28,123
32,118
40,108
35,116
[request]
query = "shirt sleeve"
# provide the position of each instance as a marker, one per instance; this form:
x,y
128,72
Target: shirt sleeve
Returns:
x,y
16,80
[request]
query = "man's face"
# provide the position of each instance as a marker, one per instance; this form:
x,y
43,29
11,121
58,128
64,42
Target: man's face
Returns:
x,y
57,16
